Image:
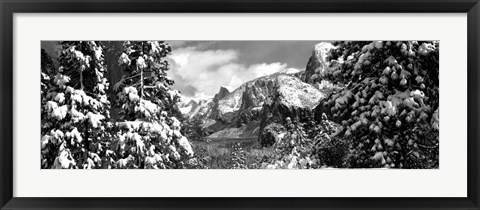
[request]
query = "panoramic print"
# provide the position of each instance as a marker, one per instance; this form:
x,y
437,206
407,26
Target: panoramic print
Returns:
x,y
179,104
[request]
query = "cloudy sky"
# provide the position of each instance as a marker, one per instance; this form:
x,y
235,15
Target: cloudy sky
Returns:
x,y
199,68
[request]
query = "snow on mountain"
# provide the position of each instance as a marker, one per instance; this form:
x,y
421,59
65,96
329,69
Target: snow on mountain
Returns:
x,y
292,99
249,104
292,71
317,63
294,93
191,106
244,112
228,104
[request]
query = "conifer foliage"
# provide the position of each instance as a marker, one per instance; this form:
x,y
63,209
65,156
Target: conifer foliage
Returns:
x,y
75,108
46,82
238,157
149,137
389,109
47,70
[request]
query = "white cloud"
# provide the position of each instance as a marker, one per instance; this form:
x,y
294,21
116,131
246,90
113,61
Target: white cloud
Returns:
x,y
207,70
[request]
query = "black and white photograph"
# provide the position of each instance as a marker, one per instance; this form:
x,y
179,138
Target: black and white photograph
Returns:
x,y
242,104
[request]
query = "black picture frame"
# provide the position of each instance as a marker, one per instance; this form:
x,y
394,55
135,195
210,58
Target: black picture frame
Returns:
x,y
9,7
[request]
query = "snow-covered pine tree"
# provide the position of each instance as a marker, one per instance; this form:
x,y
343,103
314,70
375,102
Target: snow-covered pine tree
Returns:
x,y
46,81
239,157
389,107
295,149
47,71
77,109
49,151
150,136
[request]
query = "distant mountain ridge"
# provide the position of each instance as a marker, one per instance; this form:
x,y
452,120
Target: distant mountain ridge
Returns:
x,y
248,110
245,111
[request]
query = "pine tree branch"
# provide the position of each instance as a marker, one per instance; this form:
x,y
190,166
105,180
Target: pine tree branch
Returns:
x,y
131,77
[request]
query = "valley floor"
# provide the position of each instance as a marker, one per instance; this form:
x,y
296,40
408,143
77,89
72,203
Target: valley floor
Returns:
x,y
227,153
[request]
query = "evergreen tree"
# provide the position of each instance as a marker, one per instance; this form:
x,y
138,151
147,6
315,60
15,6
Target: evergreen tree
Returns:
x,y
389,107
76,109
239,157
47,74
150,136
49,151
47,71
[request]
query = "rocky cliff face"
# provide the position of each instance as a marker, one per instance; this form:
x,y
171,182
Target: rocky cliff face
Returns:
x,y
290,98
245,104
317,63
224,91
191,108
244,112
226,104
